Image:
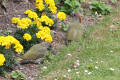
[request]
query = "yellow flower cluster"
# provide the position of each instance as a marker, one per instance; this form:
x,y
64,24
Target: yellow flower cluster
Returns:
x,y
44,18
15,20
61,15
47,20
52,7
8,41
44,34
23,23
27,37
39,5
2,59
38,22
31,14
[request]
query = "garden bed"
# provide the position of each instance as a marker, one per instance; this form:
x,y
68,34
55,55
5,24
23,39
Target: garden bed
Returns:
x,y
18,8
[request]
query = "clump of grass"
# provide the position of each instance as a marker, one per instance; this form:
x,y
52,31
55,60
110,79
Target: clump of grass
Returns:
x,y
98,58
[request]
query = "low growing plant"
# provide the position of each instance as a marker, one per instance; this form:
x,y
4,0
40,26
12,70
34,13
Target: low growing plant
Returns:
x,y
35,28
69,6
65,27
7,58
113,1
17,75
100,7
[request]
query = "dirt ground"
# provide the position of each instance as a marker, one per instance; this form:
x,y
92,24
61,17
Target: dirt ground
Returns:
x,y
16,8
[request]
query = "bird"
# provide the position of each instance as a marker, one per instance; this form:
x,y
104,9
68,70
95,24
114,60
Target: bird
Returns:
x,y
36,53
76,30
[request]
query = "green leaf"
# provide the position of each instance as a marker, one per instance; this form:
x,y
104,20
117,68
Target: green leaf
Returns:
x,y
14,75
3,3
65,27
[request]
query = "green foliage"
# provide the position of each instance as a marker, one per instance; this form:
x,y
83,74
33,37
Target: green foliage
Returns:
x,y
9,60
69,6
100,7
17,75
90,67
3,3
113,1
32,30
65,27
5,32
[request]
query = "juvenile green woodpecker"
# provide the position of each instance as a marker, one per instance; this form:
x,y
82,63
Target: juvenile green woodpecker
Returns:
x,y
36,53
75,30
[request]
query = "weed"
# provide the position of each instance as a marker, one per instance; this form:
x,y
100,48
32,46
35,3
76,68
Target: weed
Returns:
x,y
100,7
17,75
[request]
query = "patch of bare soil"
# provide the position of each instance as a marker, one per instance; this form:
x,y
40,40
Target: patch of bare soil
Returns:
x,y
14,8
30,70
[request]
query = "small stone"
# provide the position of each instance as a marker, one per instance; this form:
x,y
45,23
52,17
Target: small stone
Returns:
x,y
112,27
96,67
77,72
111,51
112,69
96,62
21,68
77,61
86,71
69,55
44,67
64,76
69,70
89,73
75,65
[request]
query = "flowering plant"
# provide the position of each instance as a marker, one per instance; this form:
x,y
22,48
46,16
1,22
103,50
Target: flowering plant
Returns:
x,y
36,27
7,59
31,30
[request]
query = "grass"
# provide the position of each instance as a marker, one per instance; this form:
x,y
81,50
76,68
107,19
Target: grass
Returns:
x,y
98,55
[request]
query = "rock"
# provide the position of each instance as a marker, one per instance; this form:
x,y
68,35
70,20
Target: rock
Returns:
x,y
75,32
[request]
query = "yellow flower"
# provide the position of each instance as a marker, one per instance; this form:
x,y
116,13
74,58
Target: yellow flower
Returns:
x,y
27,11
52,7
2,59
37,21
48,21
48,38
15,20
38,35
24,23
39,5
18,48
46,30
33,15
40,27
41,34
8,41
27,37
61,15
